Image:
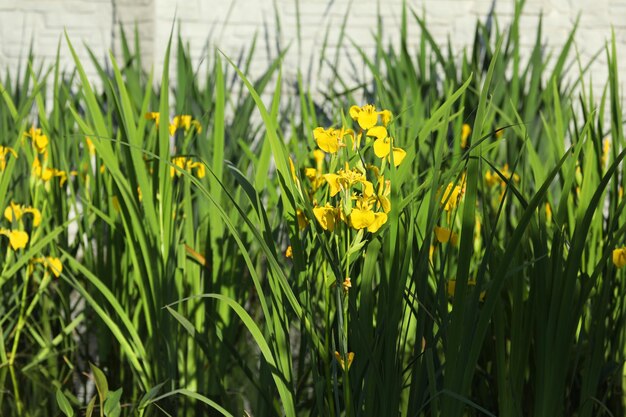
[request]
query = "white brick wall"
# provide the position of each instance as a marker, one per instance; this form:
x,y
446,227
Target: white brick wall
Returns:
x,y
230,25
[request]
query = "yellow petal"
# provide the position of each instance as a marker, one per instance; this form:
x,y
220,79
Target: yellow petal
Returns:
x,y
385,116
326,216
153,116
379,220
333,181
13,212
382,147
367,117
318,156
340,359
619,257
326,139
184,121
289,252
200,170
91,148
310,173
379,132
40,142
36,215
445,235
55,266
354,112
360,219
398,156
466,130
17,238
368,189
385,204
196,124
302,220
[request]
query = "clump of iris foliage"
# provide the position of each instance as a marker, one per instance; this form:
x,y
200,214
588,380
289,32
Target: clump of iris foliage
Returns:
x,y
451,248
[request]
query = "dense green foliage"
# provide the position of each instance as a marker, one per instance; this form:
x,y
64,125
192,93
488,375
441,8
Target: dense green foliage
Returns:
x,y
176,297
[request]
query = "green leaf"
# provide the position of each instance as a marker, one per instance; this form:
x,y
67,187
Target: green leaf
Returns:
x,y
101,382
64,404
112,406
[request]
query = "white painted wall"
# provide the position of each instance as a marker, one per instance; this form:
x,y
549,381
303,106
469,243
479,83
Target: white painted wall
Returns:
x,y
231,25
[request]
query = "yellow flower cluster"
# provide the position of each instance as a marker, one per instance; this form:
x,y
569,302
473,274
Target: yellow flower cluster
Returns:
x,y
183,121
186,164
352,197
18,238
39,167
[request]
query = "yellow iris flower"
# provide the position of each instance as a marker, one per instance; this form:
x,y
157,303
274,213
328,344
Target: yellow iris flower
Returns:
x,y
39,140
14,213
187,164
346,178
17,238
326,216
383,145
362,217
367,116
331,139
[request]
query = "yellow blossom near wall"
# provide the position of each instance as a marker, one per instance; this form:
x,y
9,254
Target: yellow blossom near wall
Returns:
x,y
331,140
14,212
367,116
178,122
17,238
39,140
619,257
186,164
182,121
47,173
383,145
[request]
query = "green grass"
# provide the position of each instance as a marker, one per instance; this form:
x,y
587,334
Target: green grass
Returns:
x,y
176,297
